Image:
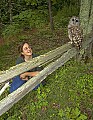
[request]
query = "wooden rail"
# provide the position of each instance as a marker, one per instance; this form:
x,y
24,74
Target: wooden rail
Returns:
x,y
11,99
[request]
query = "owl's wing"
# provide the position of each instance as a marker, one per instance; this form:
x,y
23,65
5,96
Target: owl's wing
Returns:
x,y
70,33
78,34
78,37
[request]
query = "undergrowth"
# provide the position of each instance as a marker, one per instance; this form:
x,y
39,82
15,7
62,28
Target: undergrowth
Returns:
x,y
67,95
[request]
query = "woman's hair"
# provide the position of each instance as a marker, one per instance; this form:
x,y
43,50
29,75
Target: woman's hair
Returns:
x,y
20,47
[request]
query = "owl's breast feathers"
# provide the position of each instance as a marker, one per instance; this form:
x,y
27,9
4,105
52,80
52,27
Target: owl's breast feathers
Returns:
x,y
76,35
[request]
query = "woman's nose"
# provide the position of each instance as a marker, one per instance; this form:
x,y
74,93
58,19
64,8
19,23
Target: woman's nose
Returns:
x,y
28,48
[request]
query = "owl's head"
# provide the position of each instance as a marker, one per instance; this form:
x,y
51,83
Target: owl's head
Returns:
x,y
74,21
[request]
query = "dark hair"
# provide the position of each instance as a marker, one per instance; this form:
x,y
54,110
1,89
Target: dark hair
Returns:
x,y
20,47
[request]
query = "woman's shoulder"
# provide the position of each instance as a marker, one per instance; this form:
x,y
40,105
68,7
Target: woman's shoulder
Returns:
x,y
34,55
20,60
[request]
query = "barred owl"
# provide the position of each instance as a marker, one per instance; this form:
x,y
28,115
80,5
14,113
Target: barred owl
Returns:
x,y
75,33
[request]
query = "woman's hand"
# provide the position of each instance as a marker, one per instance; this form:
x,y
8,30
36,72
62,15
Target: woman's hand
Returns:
x,y
24,76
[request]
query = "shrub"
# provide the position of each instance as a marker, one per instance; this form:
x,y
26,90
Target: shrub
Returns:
x,y
25,20
30,18
11,30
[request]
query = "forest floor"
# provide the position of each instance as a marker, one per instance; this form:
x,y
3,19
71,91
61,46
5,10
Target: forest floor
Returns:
x,y
67,94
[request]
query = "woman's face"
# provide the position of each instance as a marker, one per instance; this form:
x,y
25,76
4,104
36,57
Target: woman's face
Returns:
x,y
27,50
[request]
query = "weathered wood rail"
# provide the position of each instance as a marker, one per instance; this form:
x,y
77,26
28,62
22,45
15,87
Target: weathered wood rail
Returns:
x,y
60,56
42,59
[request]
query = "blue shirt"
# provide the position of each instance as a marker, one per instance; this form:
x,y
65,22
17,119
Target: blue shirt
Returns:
x,y
17,81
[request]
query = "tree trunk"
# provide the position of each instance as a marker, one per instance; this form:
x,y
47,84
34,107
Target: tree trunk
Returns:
x,y
86,18
10,11
0,24
50,15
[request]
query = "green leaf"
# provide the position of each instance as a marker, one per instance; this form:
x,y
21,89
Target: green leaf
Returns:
x,y
82,117
61,113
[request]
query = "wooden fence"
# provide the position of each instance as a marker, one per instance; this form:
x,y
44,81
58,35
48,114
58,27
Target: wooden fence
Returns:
x,y
56,58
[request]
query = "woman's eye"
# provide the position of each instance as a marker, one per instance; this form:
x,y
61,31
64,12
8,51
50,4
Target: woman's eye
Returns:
x,y
25,48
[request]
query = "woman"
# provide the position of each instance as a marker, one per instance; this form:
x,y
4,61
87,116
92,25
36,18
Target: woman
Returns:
x,y
26,54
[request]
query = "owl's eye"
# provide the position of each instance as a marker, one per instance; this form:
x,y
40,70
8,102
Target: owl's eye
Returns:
x,y
72,19
76,20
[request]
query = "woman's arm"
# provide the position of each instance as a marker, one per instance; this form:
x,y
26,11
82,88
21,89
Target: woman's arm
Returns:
x,y
25,75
